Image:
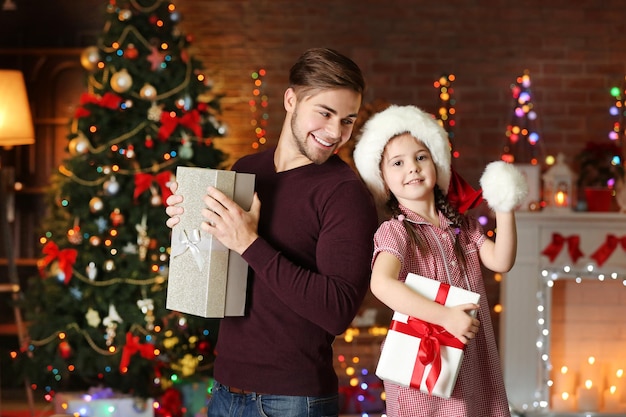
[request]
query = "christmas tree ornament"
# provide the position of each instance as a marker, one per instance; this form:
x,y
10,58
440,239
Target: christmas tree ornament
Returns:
x,y
131,52
95,241
79,145
111,186
121,81
74,236
92,271
111,321
154,112
130,152
143,241
90,57
148,92
155,58
65,350
124,14
147,308
155,199
93,317
185,151
117,218
109,265
96,204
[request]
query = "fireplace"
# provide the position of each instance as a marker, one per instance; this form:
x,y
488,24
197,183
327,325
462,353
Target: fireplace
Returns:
x,y
565,307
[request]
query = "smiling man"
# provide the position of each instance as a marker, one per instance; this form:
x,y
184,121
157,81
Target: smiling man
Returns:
x,y
308,242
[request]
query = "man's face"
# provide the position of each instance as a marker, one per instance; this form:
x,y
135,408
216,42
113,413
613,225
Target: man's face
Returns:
x,y
322,122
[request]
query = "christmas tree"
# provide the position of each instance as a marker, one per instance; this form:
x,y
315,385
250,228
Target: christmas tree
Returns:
x,y
447,110
522,132
97,313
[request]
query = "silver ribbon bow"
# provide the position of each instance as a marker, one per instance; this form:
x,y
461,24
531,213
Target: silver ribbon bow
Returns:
x,y
191,241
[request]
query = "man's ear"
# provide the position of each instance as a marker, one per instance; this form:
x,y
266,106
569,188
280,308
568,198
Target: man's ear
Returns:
x,y
290,100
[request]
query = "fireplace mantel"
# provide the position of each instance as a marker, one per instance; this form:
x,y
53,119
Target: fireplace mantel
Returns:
x,y
524,291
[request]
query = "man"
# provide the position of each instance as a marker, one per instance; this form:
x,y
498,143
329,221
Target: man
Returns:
x,y
308,241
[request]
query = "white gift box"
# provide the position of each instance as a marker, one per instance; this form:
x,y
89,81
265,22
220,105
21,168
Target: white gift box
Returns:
x,y
409,338
205,278
119,405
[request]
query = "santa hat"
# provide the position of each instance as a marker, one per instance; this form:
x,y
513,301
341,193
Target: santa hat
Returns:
x,y
389,123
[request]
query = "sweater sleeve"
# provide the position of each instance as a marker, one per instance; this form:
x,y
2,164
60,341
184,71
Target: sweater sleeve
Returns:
x,y
331,295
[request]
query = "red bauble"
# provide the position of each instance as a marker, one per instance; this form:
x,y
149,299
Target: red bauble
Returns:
x,y
65,350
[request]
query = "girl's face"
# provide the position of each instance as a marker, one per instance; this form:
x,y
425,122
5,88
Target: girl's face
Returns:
x,y
408,169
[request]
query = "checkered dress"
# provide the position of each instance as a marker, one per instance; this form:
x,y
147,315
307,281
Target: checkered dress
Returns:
x,y
479,390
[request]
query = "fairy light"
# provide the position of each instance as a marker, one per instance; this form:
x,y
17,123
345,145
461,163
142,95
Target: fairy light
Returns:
x,y
521,133
258,108
447,110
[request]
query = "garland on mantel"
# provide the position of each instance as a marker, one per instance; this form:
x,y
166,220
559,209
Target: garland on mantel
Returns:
x,y
600,255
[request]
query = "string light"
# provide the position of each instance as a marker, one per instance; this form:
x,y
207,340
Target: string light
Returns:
x,y
258,108
521,133
544,309
447,110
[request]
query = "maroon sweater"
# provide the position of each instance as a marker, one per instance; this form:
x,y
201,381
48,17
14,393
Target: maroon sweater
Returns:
x,y
309,272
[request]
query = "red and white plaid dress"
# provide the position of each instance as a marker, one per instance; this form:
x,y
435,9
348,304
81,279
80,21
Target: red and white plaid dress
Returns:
x,y
479,390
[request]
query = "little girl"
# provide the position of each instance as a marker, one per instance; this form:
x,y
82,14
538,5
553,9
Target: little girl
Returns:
x,y
403,155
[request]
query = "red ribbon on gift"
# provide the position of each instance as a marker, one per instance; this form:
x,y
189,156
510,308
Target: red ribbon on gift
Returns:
x,y
132,347
607,248
65,257
432,338
169,122
558,241
143,181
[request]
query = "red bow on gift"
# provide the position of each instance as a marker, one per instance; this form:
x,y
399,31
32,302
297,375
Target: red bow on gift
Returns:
x,y
146,350
607,248
554,248
169,122
65,257
432,338
108,101
143,181
461,195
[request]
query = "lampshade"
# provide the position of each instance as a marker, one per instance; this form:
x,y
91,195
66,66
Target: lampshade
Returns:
x,y
16,123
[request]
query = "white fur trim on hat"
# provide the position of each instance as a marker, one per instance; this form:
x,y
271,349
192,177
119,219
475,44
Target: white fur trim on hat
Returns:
x,y
391,122
504,186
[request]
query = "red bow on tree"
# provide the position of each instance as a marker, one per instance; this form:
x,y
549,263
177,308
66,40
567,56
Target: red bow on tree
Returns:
x,y
143,181
65,257
146,350
607,248
169,122
108,101
554,248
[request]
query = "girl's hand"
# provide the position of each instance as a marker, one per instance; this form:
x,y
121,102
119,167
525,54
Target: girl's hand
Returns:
x,y
460,324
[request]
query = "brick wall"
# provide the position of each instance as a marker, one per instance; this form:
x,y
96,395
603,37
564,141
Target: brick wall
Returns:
x,y
574,54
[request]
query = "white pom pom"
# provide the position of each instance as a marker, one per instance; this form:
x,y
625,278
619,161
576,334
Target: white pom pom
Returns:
x,y
504,186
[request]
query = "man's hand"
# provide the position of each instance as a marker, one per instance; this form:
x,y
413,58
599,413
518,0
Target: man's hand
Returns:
x,y
228,222
172,209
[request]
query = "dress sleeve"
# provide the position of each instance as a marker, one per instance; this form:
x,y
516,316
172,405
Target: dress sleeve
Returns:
x,y
391,237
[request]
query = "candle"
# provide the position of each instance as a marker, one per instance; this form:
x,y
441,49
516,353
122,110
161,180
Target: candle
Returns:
x,y
611,400
590,370
563,402
564,380
588,397
560,199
